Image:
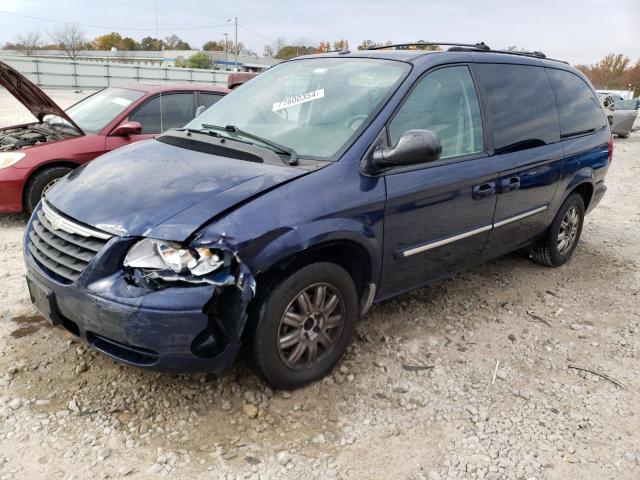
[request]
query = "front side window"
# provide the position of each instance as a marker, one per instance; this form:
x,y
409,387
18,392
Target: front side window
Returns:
x,y
580,110
315,106
446,103
178,109
522,106
95,112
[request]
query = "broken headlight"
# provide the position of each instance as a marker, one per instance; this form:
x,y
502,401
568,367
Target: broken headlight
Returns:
x,y
153,255
10,158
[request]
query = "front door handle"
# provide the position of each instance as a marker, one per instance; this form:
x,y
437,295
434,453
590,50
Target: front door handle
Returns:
x,y
483,191
510,184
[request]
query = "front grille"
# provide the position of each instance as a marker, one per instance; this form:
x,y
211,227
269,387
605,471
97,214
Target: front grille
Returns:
x,y
62,246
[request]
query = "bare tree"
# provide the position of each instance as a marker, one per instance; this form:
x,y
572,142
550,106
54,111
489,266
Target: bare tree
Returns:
x,y
70,38
29,42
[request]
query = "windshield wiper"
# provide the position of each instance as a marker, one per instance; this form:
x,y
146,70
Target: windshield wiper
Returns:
x,y
197,130
293,155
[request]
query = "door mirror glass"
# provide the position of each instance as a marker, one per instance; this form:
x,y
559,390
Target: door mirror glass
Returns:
x,y
413,147
127,128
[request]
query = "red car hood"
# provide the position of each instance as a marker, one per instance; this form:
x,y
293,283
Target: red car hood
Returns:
x,y
36,101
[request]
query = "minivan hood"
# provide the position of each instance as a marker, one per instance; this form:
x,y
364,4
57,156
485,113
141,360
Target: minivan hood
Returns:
x,y
161,191
34,99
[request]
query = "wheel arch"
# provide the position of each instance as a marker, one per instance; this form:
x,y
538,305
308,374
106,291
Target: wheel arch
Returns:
x,y
356,258
582,183
40,168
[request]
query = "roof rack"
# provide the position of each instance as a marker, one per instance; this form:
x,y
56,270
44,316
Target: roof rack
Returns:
x,y
477,46
468,47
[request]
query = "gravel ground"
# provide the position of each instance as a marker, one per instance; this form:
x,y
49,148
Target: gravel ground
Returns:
x,y
413,399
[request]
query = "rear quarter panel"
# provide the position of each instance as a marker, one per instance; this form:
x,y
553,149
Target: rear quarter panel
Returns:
x,y
586,161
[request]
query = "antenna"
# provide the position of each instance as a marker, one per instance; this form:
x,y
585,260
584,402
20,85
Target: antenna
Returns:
x,y
160,62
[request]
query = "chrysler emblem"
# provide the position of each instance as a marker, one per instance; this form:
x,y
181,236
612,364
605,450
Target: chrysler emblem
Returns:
x,y
55,222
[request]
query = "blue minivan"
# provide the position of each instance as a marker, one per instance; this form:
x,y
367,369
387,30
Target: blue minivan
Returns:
x,y
275,219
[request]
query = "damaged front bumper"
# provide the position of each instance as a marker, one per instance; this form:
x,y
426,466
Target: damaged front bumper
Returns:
x,y
178,329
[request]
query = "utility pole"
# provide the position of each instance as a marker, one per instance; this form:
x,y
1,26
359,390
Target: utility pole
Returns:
x,y
226,51
235,22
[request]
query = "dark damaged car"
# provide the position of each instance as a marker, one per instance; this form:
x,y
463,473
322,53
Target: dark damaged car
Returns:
x,y
276,218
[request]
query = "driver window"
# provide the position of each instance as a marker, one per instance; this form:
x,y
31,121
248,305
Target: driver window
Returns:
x,y
446,103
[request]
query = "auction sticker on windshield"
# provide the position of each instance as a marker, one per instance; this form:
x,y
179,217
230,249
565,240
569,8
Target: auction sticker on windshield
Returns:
x,y
123,102
298,99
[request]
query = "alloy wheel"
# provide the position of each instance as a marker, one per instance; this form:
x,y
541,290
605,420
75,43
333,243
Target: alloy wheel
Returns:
x,y
310,326
48,186
568,230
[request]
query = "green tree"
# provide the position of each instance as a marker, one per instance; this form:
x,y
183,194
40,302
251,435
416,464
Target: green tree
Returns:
x,y
151,44
108,41
340,45
291,51
199,60
214,46
173,42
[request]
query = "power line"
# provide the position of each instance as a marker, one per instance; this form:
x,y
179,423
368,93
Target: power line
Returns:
x,y
102,27
125,29
258,34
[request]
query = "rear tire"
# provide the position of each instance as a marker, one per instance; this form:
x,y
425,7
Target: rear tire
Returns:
x,y
302,325
39,183
562,237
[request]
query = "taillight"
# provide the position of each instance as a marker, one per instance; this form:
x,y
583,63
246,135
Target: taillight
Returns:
x,y
611,149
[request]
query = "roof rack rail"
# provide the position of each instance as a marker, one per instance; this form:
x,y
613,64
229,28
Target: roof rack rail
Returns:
x,y
477,46
468,47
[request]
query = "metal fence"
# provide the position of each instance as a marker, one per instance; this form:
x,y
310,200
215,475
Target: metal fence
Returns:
x,y
66,74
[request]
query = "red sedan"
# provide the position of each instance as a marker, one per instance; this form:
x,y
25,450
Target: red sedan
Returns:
x,y
34,156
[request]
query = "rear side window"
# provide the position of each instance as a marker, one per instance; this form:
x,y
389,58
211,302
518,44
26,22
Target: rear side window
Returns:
x,y
446,103
208,99
580,110
521,105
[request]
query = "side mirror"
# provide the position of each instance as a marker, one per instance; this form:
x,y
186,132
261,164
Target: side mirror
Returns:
x,y
414,146
127,128
200,110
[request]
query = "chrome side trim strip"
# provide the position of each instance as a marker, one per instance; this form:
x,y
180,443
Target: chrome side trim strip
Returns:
x,y
444,241
520,217
455,238
58,222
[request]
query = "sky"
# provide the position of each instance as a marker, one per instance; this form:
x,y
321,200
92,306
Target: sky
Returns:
x,y
578,31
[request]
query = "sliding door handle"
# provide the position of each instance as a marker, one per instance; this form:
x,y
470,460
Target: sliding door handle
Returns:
x,y
483,191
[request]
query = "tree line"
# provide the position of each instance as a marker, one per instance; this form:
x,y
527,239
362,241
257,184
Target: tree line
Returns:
x,y
613,72
72,39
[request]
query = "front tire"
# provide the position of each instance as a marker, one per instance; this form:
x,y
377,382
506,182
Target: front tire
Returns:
x,y
562,237
40,183
303,325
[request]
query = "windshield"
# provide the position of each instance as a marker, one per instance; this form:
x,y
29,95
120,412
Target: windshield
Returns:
x,y
95,112
313,106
